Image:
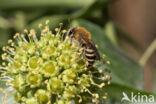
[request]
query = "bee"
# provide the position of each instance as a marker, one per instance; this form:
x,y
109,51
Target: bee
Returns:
x,y
83,37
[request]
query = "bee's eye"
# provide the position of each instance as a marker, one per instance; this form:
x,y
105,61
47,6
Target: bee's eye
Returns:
x,y
71,31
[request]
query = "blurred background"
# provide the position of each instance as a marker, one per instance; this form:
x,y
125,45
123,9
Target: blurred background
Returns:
x,y
123,29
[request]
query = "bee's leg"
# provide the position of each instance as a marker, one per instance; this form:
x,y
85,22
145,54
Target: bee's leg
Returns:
x,y
81,55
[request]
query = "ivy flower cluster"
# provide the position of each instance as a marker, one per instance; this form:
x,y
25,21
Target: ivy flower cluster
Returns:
x,y
42,69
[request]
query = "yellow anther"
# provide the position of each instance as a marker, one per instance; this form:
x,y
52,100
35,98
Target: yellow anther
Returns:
x,y
107,62
40,25
100,71
56,29
103,56
25,31
47,22
64,31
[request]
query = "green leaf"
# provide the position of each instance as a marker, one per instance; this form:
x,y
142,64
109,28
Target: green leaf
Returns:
x,y
34,4
115,92
91,8
111,33
4,34
54,22
125,70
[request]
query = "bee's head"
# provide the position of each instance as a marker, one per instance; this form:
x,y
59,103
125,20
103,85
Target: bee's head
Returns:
x,y
71,32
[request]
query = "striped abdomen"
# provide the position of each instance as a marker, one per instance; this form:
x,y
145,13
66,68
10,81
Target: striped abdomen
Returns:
x,y
90,55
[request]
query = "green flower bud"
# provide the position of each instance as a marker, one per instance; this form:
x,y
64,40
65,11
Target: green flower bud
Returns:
x,y
50,68
34,80
32,101
48,52
34,62
60,102
19,83
55,85
84,81
17,97
42,96
69,76
70,92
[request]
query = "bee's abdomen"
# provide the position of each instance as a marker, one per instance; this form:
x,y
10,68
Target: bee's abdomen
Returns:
x,y
90,56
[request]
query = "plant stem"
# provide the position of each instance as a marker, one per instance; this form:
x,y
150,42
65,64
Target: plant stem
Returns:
x,y
148,53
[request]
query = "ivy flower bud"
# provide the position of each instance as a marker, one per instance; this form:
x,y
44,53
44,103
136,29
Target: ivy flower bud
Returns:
x,y
55,85
19,83
42,96
70,92
34,62
50,68
69,76
32,101
34,80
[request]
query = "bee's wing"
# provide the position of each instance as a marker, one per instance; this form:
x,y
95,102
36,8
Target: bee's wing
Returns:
x,y
96,51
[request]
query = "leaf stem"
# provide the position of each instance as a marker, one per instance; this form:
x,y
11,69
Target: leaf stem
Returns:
x,y
148,53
